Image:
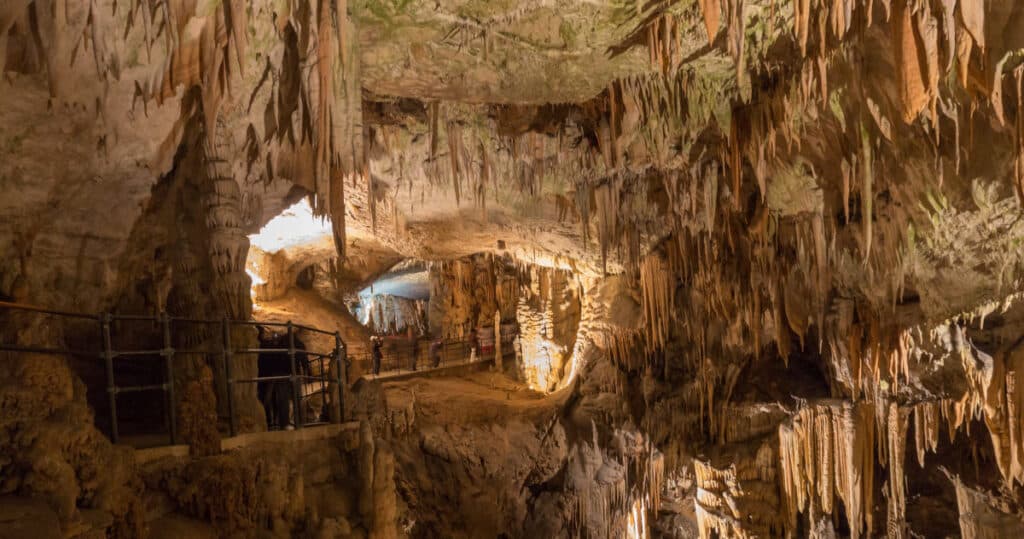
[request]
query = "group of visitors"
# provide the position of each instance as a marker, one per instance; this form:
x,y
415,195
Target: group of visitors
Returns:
x,y
433,354
278,396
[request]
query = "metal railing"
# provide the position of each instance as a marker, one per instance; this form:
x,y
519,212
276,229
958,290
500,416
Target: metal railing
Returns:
x,y
397,355
338,359
108,354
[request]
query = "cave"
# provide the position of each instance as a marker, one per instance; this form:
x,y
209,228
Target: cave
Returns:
x,y
380,269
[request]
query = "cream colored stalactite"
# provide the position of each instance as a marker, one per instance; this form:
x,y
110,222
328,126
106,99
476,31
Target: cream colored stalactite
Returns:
x,y
741,500
826,451
616,490
607,197
712,12
981,517
716,508
737,40
896,432
1002,399
658,288
926,428
867,191
802,23
995,391
1018,161
349,164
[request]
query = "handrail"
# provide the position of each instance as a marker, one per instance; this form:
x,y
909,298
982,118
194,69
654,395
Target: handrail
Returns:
x,y
35,308
452,352
337,359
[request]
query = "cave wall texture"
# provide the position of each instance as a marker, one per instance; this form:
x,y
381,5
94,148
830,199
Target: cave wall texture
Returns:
x,y
769,253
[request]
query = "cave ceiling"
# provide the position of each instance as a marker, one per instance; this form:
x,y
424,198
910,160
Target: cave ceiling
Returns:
x,y
863,150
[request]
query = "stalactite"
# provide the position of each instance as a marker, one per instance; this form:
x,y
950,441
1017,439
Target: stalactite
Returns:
x,y
607,196
737,39
897,496
711,10
801,23
828,450
926,428
1018,162
867,194
658,297
434,113
614,490
584,195
482,181
995,392
735,161
454,133
738,500
972,14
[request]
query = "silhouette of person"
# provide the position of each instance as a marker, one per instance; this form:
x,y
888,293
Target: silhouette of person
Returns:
x,y
378,354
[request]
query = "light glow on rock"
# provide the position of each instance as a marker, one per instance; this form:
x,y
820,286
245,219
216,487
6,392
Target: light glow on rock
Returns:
x,y
256,279
295,226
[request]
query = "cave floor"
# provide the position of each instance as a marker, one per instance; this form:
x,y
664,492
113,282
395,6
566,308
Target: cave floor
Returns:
x,y
484,397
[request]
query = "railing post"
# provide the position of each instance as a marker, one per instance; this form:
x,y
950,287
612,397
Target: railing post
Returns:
x,y
108,364
339,369
229,379
296,388
168,353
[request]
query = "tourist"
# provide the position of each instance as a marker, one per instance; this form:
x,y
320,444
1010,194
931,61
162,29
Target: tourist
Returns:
x,y
435,353
278,396
415,349
377,353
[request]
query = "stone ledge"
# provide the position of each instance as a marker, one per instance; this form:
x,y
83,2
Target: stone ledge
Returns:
x,y
150,454
453,369
319,432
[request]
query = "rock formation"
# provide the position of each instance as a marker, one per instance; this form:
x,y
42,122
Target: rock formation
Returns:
x,y
763,261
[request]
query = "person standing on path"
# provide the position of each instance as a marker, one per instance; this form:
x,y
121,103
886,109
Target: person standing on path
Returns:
x,y
435,353
472,345
377,354
415,350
